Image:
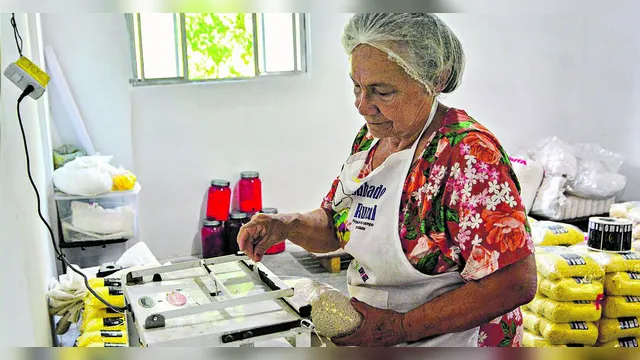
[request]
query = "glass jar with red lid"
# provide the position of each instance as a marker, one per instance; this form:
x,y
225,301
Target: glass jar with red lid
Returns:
x,y
277,248
218,200
250,192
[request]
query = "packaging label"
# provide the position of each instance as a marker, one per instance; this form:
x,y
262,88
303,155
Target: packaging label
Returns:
x,y
628,323
111,333
628,342
580,280
115,290
558,229
582,302
573,259
579,325
631,256
632,299
114,321
634,276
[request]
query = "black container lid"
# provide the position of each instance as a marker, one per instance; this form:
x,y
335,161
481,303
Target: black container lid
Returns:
x,y
249,174
270,210
220,182
238,216
211,223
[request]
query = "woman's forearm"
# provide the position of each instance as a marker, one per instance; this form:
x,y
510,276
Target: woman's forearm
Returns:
x,y
473,304
314,231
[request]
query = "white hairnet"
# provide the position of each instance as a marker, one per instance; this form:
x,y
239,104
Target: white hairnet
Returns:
x,y
422,44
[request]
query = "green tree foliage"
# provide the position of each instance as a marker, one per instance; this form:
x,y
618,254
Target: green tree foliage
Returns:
x,y
219,45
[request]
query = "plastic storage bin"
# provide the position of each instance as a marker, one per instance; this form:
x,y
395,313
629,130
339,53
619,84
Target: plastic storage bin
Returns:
x,y
109,216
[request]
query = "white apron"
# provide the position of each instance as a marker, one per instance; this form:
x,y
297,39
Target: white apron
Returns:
x,y
380,274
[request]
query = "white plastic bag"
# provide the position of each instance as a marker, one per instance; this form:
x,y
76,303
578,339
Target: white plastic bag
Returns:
x,y
530,174
85,176
597,176
550,199
556,157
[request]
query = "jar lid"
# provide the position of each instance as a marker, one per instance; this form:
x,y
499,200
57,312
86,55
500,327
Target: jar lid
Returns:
x,y
211,223
249,174
238,216
269,210
220,182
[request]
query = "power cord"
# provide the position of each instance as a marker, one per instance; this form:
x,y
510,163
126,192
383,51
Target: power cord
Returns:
x,y
60,256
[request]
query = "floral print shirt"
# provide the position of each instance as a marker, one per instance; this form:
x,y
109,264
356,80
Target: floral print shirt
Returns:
x,y
460,211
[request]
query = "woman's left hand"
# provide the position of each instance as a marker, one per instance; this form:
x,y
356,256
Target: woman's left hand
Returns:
x,y
379,328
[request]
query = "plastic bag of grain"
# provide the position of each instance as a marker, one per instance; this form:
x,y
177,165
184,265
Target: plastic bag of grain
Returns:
x,y
530,321
565,311
613,329
612,262
621,306
102,336
570,289
534,340
111,294
579,332
112,323
630,342
622,284
556,263
331,312
549,233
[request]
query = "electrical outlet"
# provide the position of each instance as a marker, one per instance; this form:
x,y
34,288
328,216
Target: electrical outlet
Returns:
x,y
24,73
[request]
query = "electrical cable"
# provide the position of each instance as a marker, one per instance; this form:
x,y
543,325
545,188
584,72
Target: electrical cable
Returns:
x,y
60,256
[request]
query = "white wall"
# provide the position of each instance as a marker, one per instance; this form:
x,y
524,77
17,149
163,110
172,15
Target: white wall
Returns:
x,y
93,52
527,77
572,76
27,257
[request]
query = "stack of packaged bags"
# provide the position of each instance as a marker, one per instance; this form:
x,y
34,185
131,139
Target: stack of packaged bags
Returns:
x,y
565,310
620,323
551,233
102,326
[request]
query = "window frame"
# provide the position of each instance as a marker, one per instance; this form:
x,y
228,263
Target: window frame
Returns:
x,y
301,37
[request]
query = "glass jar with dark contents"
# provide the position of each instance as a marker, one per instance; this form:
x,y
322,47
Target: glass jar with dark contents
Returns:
x,y
212,239
231,230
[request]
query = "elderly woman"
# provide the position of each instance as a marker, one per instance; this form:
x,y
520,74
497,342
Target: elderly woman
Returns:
x,y
427,203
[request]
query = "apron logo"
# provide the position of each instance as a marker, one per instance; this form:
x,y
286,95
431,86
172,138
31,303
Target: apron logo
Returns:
x,y
360,269
370,191
365,212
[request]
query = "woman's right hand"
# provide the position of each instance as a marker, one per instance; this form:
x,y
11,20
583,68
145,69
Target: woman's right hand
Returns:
x,y
261,233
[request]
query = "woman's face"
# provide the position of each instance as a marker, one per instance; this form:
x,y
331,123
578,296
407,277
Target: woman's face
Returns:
x,y
392,103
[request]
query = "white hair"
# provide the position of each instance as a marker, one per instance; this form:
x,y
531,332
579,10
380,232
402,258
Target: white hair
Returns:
x,y
422,44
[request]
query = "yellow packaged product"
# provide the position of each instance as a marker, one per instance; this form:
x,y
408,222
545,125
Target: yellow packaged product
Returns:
x,y
621,306
622,284
533,340
112,294
102,282
530,321
549,233
579,332
612,262
613,329
570,289
624,342
566,311
104,336
112,323
90,312
559,263
106,344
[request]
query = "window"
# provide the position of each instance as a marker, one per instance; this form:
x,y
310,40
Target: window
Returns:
x,y
173,48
